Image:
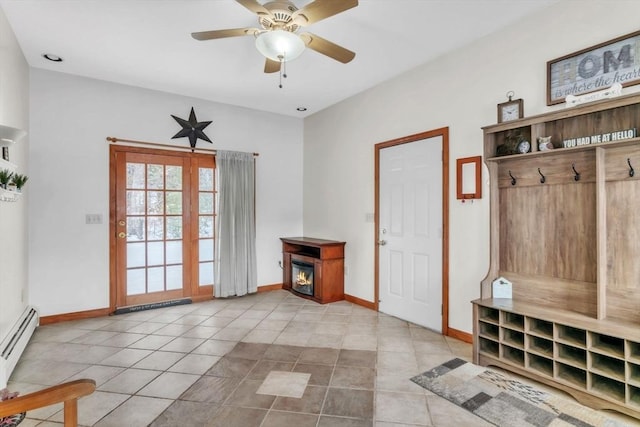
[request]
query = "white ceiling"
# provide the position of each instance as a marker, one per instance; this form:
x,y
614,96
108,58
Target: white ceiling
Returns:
x,y
148,43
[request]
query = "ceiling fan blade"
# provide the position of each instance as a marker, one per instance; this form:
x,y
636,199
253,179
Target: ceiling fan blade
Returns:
x,y
221,34
327,48
254,7
271,66
321,9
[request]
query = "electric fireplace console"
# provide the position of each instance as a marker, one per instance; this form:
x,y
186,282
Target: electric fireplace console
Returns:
x,y
314,268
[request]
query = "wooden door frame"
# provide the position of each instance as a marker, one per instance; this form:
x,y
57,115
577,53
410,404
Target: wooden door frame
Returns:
x,y
195,292
444,133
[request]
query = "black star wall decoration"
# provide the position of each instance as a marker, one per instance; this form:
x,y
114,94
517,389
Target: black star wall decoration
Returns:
x,y
192,128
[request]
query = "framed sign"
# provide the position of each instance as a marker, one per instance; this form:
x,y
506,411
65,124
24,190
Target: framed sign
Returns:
x,y
595,68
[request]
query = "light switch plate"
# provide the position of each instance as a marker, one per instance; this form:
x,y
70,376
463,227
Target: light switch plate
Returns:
x,y
93,219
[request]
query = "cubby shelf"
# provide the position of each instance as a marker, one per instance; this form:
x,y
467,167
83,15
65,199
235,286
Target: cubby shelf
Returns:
x,y
633,371
573,336
607,366
572,375
489,315
607,345
513,338
513,321
541,365
489,330
607,387
540,346
513,355
489,347
540,328
634,396
584,361
570,355
633,352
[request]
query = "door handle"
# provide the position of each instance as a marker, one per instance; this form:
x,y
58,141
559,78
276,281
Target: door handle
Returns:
x,y
382,242
122,234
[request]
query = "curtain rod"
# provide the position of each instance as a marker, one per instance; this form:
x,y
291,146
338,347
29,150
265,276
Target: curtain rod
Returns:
x,y
157,144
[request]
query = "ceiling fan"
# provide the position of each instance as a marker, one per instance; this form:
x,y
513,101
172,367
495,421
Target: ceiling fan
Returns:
x,y
277,38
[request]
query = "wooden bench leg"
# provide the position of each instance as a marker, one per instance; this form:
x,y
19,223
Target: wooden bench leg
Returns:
x,y
71,413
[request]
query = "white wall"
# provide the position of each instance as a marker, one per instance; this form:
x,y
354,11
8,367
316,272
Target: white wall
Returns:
x,y
71,117
14,112
459,90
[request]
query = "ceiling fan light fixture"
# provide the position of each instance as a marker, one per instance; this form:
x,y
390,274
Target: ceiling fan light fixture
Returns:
x,y
280,45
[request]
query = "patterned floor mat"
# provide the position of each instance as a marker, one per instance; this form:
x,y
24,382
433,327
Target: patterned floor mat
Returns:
x,y
506,402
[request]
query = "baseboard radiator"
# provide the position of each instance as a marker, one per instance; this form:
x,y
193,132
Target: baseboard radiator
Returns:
x,y
15,342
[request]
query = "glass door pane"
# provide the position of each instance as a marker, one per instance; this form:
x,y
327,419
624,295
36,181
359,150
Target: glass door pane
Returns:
x,y
206,220
154,227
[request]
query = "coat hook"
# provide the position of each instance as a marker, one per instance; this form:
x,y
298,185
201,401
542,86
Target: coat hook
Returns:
x,y
576,175
631,171
513,179
543,179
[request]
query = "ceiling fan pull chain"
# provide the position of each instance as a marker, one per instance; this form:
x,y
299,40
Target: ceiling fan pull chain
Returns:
x,y
282,65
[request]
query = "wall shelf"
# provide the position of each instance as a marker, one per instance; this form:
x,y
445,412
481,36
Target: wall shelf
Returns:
x,y
9,196
10,135
6,195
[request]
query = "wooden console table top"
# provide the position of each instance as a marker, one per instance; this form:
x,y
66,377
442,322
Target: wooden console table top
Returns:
x,y
311,241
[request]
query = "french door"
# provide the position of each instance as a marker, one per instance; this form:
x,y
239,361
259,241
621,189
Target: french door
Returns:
x,y
162,225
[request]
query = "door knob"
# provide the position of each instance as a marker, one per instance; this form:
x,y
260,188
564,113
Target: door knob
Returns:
x,y
382,242
122,234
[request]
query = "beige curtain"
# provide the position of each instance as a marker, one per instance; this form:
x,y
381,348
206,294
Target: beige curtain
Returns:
x,y
236,244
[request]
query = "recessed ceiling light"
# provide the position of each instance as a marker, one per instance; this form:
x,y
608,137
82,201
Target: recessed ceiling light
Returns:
x,y
51,57
301,108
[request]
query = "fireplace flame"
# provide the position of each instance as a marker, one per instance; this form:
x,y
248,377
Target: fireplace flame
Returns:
x,y
302,279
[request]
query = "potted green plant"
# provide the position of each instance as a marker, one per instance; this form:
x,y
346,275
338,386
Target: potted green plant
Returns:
x,y
5,177
19,181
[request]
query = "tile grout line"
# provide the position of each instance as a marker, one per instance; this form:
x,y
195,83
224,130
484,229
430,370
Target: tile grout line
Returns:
x,y
326,392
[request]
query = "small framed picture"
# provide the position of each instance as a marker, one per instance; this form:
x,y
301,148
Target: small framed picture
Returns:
x,y
5,153
469,178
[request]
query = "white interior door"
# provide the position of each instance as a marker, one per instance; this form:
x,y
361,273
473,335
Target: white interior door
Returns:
x,y
410,234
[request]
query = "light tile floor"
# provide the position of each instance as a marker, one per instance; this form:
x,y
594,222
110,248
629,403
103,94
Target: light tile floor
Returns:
x,y
143,362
